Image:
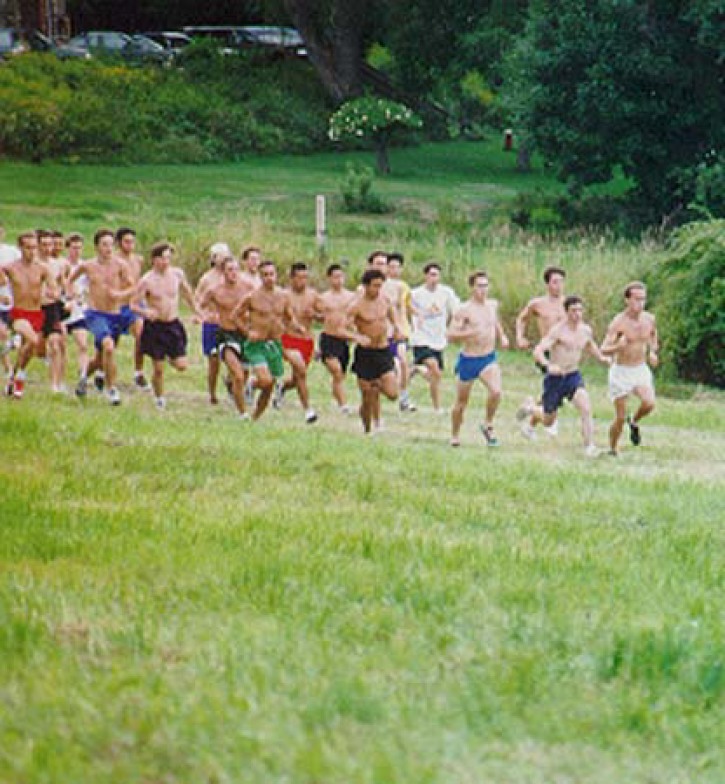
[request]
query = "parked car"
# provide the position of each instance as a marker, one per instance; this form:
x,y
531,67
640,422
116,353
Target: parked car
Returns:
x,y
11,42
230,39
97,42
141,49
169,39
132,48
14,41
284,40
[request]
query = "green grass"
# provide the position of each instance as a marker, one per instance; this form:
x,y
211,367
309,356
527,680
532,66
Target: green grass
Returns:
x,y
188,598
185,597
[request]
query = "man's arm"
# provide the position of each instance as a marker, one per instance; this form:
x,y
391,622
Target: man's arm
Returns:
x,y
546,344
502,336
459,329
137,304
522,322
592,347
654,346
187,294
240,314
76,273
614,340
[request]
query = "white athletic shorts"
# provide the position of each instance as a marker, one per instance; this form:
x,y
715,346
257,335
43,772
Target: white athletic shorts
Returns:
x,y
624,378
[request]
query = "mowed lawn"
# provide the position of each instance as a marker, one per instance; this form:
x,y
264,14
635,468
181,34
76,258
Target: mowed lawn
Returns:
x,y
185,597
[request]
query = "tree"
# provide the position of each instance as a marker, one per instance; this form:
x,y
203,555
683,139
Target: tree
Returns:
x,y
636,84
333,35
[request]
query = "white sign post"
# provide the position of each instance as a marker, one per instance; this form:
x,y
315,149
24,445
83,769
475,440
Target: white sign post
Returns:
x,y
321,223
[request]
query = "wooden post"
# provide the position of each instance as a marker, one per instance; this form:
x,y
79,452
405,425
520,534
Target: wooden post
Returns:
x,y
321,224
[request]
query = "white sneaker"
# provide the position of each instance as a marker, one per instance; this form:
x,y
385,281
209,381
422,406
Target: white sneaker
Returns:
x,y
346,410
160,403
528,431
114,398
592,451
249,393
526,409
553,429
245,417
278,397
311,416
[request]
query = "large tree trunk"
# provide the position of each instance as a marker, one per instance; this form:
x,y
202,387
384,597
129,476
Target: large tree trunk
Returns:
x,y
333,38
382,161
31,14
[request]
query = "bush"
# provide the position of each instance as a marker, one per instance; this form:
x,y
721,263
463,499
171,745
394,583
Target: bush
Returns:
x,y
216,108
357,193
688,290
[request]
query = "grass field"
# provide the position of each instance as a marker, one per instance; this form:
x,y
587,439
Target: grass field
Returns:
x,y
185,597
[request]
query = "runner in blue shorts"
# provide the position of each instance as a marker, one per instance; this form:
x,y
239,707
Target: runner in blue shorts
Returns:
x,y
477,326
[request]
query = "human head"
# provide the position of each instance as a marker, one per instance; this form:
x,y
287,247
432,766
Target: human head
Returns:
x,y
378,259
395,265
574,308
298,275
28,244
478,281
554,279
268,273
230,268
126,239
161,253
373,280
218,252
45,243
74,244
432,272
635,295
58,243
336,276
103,241
252,257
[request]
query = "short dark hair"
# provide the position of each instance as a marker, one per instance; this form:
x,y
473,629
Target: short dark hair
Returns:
x,y
71,238
250,249
474,276
227,260
100,234
55,233
370,275
333,268
635,284
27,235
122,232
572,300
298,266
376,253
549,273
431,265
158,249
42,233
395,256
267,263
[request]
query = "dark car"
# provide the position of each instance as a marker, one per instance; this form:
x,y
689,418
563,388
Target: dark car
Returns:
x,y
169,39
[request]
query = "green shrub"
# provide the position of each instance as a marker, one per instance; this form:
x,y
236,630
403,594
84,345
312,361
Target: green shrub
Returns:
x,y
357,193
688,291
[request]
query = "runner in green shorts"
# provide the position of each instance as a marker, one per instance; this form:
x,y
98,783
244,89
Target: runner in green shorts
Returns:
x,y
265,353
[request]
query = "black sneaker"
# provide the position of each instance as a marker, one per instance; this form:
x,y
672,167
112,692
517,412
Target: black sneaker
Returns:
x,y
489,436
634,435
82,387
99,383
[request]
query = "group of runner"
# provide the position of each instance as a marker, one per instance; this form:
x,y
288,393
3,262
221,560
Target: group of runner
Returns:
x,y
252,326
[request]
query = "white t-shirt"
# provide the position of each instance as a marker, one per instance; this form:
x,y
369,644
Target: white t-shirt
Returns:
x,y
8,254
431,312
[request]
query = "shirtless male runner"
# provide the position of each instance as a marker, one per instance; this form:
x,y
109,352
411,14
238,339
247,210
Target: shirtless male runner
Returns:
x,y
264,314
27,276
299,349
157,299
633,343
109,284
251,260
223,300
371,316
133,323
560,353
214,276
76,302
476,324
53,343
546,311
334,343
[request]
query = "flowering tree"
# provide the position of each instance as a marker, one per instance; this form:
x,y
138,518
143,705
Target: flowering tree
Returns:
x,y
375,119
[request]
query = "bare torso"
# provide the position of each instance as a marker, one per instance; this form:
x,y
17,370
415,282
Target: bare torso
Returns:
x,y
27,280
370,317
305,306
334,305
134,265
639,333
224,300
267,313
567,346
481,320
161,292
105,280
548,311
57,272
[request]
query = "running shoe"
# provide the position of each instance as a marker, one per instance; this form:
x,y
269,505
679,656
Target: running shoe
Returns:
x,y
9,386
114,398
249,393
489,435
634,435
99,382
82,387
311,417
245,417
526,409
553,429
141,383
278,398
592,451
18,388
161,403
528,430
406,404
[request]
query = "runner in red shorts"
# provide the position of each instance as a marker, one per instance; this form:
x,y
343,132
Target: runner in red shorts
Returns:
x,y
299,349
27,277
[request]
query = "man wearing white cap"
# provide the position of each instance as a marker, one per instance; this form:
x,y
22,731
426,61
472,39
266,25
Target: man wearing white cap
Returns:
x,y
211,278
